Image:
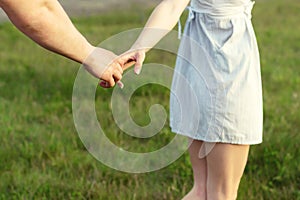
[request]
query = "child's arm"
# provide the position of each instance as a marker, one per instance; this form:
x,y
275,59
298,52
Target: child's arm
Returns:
x,y
162,20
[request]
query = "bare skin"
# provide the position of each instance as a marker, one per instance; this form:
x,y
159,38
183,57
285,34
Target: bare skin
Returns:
x,y
218,174
217,168
199,173
46,23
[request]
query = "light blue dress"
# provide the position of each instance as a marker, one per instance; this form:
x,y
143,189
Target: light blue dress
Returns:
x,y
216,93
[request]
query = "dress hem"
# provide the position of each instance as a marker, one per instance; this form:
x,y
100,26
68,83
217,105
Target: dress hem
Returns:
x,y
218,140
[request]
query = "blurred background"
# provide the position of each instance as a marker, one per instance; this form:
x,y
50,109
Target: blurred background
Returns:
x,y
42,157
90,7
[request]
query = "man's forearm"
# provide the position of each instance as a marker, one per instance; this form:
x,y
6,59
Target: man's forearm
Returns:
x,y
45,22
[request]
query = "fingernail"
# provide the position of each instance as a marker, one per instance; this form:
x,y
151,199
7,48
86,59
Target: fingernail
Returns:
x,y
138,71
120,84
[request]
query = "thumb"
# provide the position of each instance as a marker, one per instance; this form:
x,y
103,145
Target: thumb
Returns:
x,y
140,57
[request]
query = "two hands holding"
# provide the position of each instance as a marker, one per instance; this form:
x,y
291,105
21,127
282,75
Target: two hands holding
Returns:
x,y
109,68
54,31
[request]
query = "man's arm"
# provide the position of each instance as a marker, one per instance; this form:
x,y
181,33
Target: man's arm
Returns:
x,y
45,22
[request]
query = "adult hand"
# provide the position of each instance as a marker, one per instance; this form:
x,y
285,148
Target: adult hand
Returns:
x,y
126,60
103,64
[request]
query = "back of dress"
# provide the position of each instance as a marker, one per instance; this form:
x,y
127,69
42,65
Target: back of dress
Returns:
x,y
219,63
220,7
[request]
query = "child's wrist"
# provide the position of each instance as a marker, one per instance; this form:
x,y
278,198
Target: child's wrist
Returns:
x,y
138,46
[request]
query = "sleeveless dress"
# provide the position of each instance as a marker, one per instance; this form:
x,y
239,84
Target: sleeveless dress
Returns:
x,y
216,93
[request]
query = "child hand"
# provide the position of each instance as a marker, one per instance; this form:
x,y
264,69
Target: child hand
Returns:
x,y
126,60
131,57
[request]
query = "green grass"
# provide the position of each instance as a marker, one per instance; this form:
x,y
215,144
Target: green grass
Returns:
x,y
42,157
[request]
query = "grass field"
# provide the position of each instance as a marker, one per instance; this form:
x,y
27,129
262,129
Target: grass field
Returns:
x,y
42,157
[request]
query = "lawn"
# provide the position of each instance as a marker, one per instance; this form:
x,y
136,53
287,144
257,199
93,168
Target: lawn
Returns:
x,y
42,157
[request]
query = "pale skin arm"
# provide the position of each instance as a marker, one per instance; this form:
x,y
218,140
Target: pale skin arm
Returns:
x,y
162,20
46,23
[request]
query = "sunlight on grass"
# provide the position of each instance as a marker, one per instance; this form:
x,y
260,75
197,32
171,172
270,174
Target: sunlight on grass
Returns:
x,y
42,157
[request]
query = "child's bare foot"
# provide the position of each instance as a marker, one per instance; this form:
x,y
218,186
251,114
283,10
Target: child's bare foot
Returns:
x,y
194,194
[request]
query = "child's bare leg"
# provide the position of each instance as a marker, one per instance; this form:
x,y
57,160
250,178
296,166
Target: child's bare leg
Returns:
x,y
198,191
225,167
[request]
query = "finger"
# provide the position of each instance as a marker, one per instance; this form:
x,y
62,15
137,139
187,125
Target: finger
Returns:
x,y
127,59
128,64
139,62
111,82
119,68
108,83
104,84
117,76
120,84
